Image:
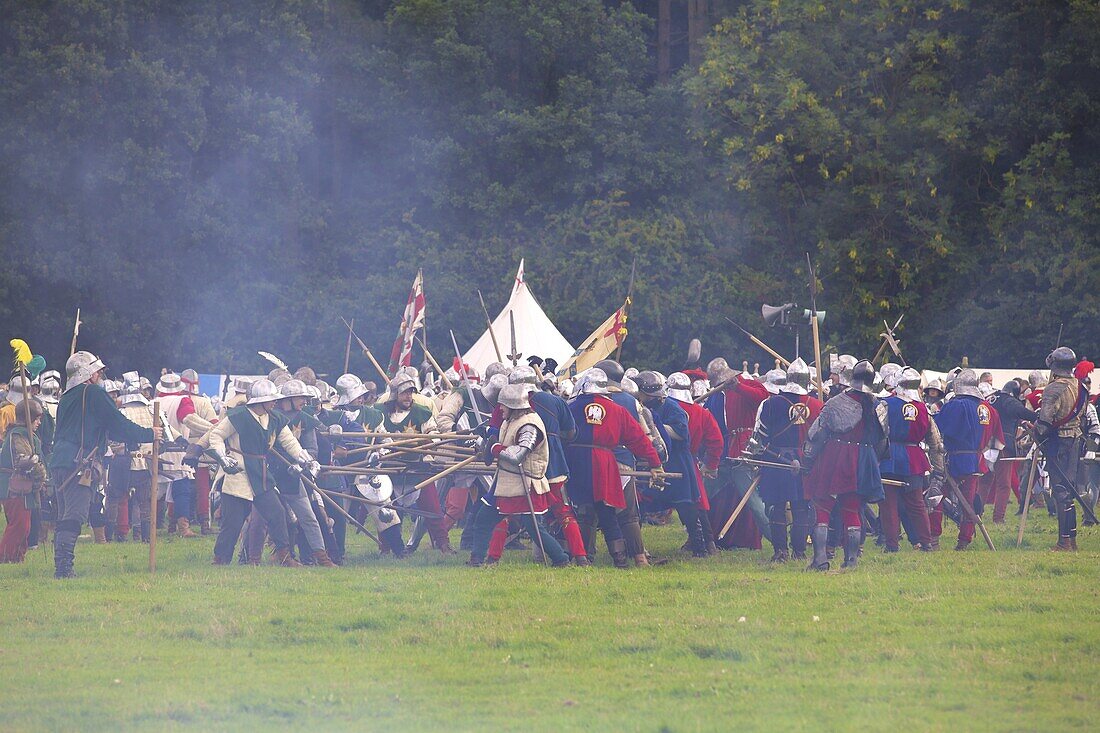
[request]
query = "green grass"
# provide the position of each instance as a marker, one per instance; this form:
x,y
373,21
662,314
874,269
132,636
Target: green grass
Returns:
x,y
950,641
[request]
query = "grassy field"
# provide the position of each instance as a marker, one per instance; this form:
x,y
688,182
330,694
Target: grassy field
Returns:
x,y
951,641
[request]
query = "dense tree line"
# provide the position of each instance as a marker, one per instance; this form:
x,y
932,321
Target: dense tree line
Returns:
x,y
206,179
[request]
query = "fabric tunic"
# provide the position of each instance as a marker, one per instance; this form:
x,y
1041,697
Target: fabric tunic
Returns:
x,y
849,430
86,417
601,426
968,427
734,409
511,490
630,404
706,444
243,433
559,422
670,417
781,430
909,424
16,445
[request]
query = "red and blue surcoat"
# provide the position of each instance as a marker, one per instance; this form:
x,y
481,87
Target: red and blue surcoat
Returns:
x,y
784,419
969,426
909,425
593,471
734,410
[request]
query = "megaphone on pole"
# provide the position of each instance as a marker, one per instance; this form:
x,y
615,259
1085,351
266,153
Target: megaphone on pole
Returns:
x,y
808,315
776,315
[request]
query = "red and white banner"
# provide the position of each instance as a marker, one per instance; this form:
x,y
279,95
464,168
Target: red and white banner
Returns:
x,y
411,322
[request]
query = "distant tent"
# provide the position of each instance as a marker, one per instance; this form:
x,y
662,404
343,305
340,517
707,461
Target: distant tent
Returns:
x,y
536,335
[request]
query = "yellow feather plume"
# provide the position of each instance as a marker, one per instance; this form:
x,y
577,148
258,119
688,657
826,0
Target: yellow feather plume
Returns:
x,y
22,352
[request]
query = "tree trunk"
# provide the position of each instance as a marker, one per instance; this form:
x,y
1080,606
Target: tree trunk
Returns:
x,y
664,22
697,28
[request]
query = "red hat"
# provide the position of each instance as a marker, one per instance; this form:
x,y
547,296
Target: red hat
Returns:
x,y
1083,369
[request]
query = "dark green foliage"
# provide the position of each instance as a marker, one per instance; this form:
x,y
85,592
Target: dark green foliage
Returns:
x,y
207,179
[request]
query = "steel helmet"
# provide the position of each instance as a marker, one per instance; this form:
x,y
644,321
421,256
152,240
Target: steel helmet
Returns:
x,y
774,381
798,377
523,375
862,376
679,386
491,389
650,383
592,381
263,390
1061,361
190,378
515,396
293,388
170,383
80,367
613,369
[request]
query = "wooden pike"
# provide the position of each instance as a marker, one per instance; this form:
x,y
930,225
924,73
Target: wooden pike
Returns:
x,y
968,509
1027,497
367,353
446,472
761,344
154,472
492,334
435,364
817,357
740,505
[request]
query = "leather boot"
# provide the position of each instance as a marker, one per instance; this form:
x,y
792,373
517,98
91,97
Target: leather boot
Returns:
x,y
170,518
617,550
145,529
284,558
640,561
184,527
820,538
798,540
135,532
851,547
582,561
779,541
1065,544
64,545
121,536
100,535
391,539
320,557
204,526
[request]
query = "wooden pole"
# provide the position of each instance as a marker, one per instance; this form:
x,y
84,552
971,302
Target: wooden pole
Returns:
x,y
435,364
154,474
492,334
446,472
817,356
967,509
76,330
626,305
381,371
347,348
740,505
1027,496
761,344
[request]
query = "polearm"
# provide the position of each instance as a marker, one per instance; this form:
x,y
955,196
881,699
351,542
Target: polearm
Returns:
x,y
758,342
492,333
534,519
466,380
882,346
740,505
1027,497
154,474
788,467
816,330
367,352
1069,484
435,364
76,330
347,348
629,300
968,509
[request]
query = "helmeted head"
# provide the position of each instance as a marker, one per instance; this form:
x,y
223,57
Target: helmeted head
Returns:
x,y
401,390
278,375
678,386
845,364
716,368
190,379
349,388
935,390
966,384
1061,361
50,382
630,372
1036,379
862,377
699,388
471,373
775,380
629,386
1012,387
889,374
263,393
295,391
798,377
592,381
81,367
523,375
613,369
378,489
907,384
170,384
986,390
516,397
241,385
491,389
495,368
651,386
306,375
565,388
17,390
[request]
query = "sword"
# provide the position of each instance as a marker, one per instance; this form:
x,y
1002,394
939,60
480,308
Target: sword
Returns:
x,y
515,355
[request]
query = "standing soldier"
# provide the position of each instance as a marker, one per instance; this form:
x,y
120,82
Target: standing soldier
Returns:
x,y
250,431
910,425
86,418
176,405
971,435
843,448
22,477
1013,414
781,428
706,447
520,488
135,470
1058,433
198,424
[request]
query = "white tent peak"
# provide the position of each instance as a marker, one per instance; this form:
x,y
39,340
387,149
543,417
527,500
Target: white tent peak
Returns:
x,y
536,334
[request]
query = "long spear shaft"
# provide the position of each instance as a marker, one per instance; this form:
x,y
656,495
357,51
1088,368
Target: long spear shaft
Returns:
x,y
466,380
758,342
367,352
740,505
76,330
492,334
968,509
435,364
629,300
1027,497
347,348
154,471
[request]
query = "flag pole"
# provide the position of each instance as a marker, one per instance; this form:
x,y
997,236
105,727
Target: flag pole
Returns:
x,y
629,300
154,471
76,330
347,348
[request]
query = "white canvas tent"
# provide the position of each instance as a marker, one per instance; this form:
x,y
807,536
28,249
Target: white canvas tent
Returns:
x,y
536,335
